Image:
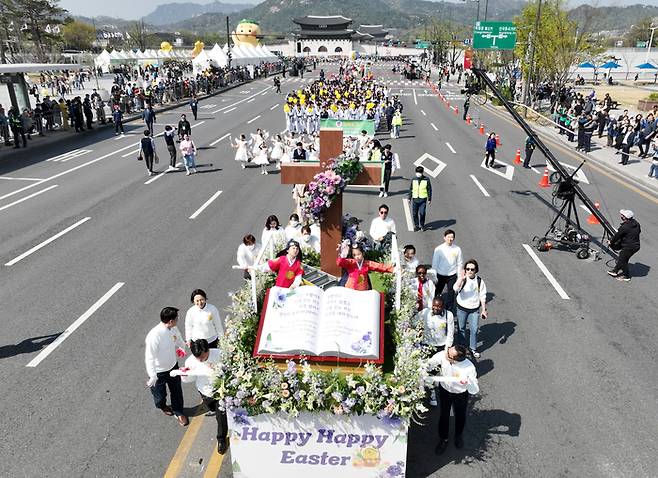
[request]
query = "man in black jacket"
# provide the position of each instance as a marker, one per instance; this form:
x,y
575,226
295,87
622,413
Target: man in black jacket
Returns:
x,y
627,242
184,127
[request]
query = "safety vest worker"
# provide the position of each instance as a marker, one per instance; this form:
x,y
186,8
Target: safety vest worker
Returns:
x,y
420,195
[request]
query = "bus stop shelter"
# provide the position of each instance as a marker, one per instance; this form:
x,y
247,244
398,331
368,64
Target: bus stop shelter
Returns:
x,y
13,76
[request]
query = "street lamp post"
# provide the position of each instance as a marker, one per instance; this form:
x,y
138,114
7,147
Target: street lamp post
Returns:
x,y
646,58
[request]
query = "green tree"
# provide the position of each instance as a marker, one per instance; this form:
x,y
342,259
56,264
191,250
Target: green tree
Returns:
x,y
37,15
139,36
560,43
641,32
78,35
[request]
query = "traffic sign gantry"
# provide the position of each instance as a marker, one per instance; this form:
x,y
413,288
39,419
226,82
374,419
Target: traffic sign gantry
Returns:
x,y
494,36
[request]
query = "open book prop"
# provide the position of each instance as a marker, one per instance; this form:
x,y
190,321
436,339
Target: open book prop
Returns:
x,y
338,324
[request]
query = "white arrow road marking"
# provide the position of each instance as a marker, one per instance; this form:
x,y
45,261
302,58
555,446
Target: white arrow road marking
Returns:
x,y
62,158
436,171
580,175
451,148
480,187
509,170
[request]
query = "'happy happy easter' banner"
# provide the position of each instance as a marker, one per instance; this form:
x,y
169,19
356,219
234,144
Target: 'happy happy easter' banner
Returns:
x,y
318,445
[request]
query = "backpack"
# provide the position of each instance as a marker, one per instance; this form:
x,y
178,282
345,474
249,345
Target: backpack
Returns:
x,y
464,285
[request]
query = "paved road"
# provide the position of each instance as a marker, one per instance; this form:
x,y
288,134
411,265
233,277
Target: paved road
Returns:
x,y
566,390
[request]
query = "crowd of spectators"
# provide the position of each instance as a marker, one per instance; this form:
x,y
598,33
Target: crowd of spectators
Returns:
x,y
133,89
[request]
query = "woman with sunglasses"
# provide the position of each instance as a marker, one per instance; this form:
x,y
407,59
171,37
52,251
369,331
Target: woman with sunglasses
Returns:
x,y
471,303
357,267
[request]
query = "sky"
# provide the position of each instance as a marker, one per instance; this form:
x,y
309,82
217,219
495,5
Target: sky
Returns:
x,y
133,10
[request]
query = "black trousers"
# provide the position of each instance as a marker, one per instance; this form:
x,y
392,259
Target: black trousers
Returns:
x,y
118,125
222,423
528,155
194,112
159,392
387,179
489,157
459,403
148,160
441,282
18,133
418,210
172,155
622,261
625,149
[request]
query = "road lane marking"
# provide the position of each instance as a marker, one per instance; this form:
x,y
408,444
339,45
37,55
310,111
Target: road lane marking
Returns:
x,y
477,183
546,272
274,106
239,102
46,242
184,447
415,99
21,179
130,152
79,321
64,157
509,170
535,170
263,93
218,140
7,206
158,176
422,111
206,204
214,465
451,148
407,214
434,126
253,119
229,110
251,100
156,136
440,165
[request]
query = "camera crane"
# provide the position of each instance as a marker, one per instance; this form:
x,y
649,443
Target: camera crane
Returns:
x,y
566,187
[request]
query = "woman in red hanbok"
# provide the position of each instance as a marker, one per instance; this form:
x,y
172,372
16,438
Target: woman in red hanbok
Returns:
x,y
358,267
287,266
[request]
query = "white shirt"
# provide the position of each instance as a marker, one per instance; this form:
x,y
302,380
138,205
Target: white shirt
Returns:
x,y
312,242
428,291
293,232
161,343
447,260
470,297
279,236
453,374
410,265
203,323
202,372
438,330
247,257
380,227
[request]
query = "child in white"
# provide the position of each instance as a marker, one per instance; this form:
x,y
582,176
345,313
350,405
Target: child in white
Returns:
x,y
202,320
242,153
261,158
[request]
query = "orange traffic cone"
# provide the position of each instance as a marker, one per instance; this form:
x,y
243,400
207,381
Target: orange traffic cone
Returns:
x,y
468,119
456,110
498,143
517,159
481,128
592,219
544,180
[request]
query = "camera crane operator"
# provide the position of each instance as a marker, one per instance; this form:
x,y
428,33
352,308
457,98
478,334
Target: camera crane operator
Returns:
x,y
627,242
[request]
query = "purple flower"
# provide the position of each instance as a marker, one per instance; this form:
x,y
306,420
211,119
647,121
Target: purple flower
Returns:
x,y
292,367
394,470
241,417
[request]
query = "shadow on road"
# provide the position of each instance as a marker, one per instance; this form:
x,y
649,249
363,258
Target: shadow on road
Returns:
x,y
480,439
495,332
639,270
27,346
440,223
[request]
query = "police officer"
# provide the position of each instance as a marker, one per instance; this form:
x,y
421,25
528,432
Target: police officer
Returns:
x,y
529,149
16,126
420,195
194,105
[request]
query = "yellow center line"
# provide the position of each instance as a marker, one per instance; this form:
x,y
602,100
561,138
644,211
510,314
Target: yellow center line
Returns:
x,y
570,153
214,465
177,462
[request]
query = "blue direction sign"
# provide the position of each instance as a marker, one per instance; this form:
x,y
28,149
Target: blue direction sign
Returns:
x,y
494,36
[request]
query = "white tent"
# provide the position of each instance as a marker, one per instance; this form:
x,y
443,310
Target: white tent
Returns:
x,y
103,61
218,56
202,61
268,52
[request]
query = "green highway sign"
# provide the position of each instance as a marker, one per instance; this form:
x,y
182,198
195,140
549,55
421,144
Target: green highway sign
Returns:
x,y
423,45
494,36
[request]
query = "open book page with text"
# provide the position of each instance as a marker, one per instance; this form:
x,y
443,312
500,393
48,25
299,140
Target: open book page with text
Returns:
x,y
350,323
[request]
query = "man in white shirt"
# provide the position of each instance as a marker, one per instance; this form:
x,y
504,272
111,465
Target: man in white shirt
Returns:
x,y
382,228
447,261
409,260
458,379
164,344
199,369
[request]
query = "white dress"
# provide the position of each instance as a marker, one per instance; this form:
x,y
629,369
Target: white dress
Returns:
x,y
277,151
261,158
242,154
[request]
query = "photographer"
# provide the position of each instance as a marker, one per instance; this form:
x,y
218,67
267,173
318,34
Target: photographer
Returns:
x,y
627,242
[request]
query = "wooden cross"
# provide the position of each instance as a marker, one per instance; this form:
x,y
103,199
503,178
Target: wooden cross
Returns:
x,y
331,226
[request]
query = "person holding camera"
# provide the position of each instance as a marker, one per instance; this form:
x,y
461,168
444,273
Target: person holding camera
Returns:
x,y
627,242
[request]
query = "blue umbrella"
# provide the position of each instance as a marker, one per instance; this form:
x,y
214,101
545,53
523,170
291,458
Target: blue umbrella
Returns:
x,y
646,66
587,64
610,64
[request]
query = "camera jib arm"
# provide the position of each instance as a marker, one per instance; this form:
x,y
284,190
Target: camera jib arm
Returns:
x,y
568,185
